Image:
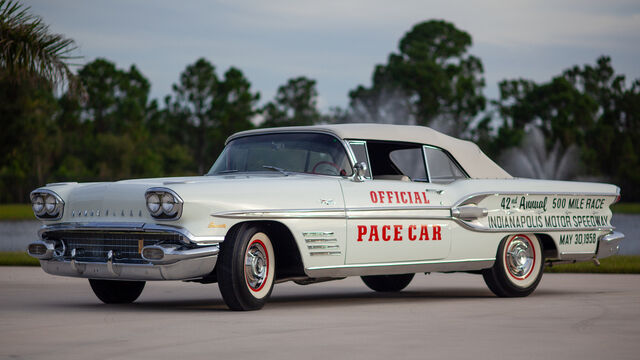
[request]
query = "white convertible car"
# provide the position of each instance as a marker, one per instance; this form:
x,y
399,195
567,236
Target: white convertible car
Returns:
x,y
318,203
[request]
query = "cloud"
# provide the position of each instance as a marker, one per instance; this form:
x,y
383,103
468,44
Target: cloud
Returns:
x,y
338,43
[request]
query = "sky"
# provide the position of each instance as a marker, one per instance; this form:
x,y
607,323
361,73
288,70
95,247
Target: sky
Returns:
x,y
338,43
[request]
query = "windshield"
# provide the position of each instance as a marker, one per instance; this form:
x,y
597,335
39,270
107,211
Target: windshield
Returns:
x,y
294,152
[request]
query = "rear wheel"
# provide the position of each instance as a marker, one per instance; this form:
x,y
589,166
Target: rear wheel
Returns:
x,y
246,268
387,283
518,268
116,291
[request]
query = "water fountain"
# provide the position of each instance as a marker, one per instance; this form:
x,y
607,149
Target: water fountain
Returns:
x,y
532,160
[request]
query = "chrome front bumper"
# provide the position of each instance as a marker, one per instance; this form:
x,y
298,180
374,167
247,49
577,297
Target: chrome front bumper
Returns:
x,y
190,258
184,265
181,270
609,244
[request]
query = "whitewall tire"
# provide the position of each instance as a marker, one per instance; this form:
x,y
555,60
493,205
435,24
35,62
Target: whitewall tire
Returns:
x,y
246,268
518,268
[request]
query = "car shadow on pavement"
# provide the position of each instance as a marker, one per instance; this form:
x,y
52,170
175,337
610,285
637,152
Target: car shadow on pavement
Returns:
x,y
334,298
369,297
213,304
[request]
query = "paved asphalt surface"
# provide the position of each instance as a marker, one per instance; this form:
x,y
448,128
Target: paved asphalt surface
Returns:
x,y
439,316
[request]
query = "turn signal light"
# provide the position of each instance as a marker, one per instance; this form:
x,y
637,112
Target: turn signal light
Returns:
x,y
152,253
37,249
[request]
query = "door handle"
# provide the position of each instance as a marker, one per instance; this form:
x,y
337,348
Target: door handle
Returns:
x,y
469,212
437,191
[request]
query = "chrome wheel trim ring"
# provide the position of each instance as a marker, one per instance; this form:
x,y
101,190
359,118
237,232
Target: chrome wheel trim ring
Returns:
x,y
522,260
256,265
520,257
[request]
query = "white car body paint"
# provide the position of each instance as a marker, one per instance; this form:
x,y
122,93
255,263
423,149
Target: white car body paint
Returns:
x,y
332,218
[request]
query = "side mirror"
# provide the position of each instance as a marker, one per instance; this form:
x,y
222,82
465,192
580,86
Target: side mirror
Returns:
x,y
360,170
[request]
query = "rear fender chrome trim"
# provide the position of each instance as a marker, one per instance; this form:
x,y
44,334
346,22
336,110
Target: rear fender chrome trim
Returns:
x,y
473,227
479,196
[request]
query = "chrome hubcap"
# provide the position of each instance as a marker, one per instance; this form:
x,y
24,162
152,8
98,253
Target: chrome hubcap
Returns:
x,y
520,257
255,265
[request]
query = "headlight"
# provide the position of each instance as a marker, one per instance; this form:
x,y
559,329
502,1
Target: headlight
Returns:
x,y
164,204
153,204
46,204
50,204
169,204
37,203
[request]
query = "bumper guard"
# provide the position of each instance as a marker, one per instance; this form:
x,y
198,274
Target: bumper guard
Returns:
x,y
609,244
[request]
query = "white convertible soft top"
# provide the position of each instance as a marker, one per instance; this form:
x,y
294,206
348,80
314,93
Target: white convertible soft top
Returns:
x,y
469,156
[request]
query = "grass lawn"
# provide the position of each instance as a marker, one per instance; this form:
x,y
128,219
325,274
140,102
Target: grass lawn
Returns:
x,y
626,208
17,258
16,212
618,264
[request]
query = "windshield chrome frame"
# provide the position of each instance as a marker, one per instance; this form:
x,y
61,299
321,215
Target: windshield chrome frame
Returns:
x,y
345,146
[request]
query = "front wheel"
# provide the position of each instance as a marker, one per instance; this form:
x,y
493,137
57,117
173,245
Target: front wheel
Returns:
x,y
387,283
518,268
116,291
246,268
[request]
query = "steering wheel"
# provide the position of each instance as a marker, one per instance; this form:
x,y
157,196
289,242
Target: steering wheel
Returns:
x,y
334,165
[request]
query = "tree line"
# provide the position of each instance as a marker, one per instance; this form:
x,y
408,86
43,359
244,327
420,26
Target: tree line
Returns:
x,y
107,127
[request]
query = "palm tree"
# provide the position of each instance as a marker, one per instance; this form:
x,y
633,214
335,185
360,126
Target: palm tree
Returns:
x,y
29,52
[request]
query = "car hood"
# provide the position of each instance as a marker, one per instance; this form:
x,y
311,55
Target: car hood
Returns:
x,y
124,201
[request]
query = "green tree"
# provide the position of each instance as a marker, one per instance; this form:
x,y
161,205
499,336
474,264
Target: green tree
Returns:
x,y
30,138
33,62
441,80
117,100
589,107
295,103
385,103
234,108
205,110
610,147
109,127
192,106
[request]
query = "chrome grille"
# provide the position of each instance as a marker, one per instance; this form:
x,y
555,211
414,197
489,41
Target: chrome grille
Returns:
x,y
93,246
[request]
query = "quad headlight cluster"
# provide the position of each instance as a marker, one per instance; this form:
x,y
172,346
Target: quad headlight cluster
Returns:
x,y
164,204
46,204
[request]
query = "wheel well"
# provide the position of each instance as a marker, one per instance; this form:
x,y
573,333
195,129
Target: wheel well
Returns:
x,y
549,248
288,259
